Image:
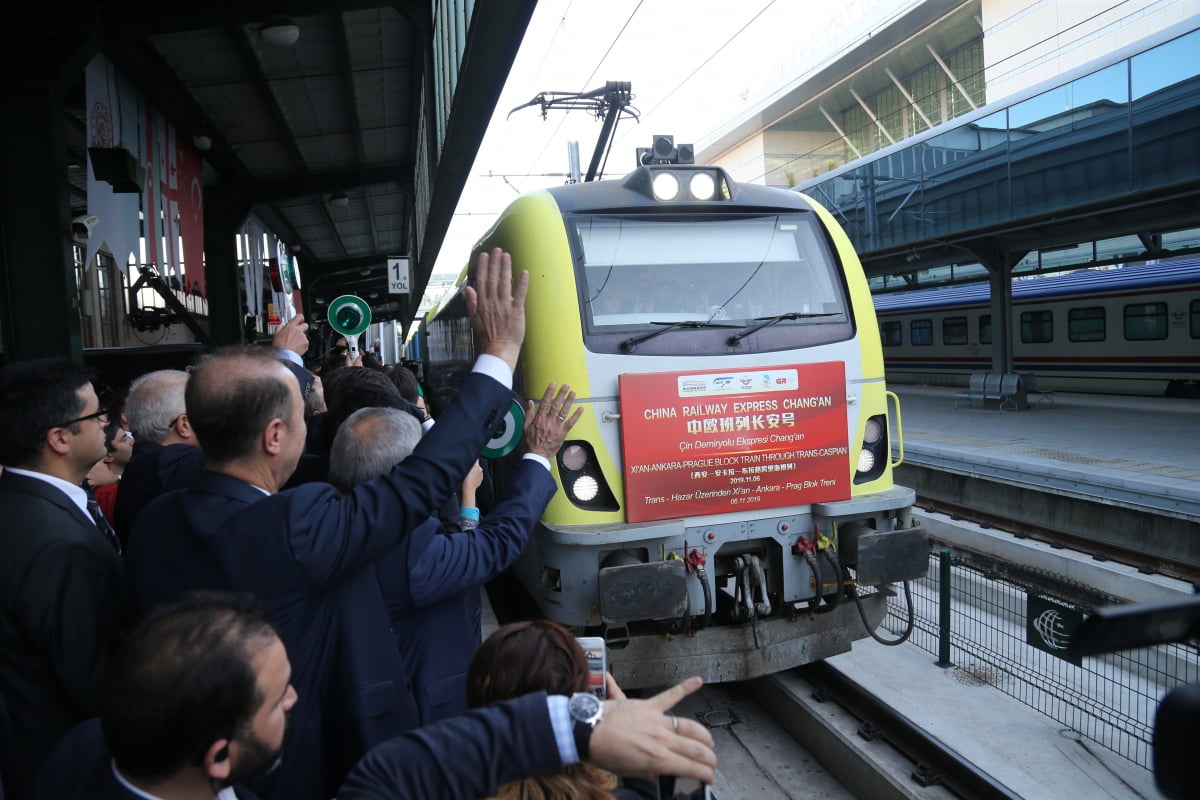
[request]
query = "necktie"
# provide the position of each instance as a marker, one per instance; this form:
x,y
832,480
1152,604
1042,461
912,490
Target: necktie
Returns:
x,y
102,523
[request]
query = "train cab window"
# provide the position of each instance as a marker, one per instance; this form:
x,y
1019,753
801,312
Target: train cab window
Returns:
x,y
1037,326
920,332
1086,324
1194,313
704,276
1145,321
954,330
892,333
985,328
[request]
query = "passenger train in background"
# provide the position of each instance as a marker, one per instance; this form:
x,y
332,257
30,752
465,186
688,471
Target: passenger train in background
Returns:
x,y
727,498
1121,330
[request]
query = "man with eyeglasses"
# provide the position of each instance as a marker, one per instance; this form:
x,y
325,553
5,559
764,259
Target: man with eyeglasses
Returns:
x,y
63,597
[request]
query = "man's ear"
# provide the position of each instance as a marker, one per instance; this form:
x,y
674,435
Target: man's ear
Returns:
x,y
56,441
183,427
273,436
217,764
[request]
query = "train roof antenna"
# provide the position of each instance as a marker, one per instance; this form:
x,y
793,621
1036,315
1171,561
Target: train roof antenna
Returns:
x,y
608,104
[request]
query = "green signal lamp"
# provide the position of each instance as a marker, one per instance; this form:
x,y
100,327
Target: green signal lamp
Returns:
x,y
350,316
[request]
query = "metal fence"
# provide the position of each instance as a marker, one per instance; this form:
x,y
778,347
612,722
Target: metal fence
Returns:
x,y
973,612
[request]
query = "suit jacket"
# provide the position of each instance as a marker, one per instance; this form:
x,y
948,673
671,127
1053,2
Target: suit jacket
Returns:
x,y
63,602
430,581
305,553
153,471
80,768
467,757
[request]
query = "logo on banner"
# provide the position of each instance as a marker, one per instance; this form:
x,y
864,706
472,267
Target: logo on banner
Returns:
x,y
780,380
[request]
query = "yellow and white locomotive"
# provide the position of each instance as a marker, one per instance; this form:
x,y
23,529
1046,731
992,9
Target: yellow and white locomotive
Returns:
x,y
727,494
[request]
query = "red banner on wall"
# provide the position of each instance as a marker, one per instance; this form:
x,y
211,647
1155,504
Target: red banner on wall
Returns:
x,y
711,442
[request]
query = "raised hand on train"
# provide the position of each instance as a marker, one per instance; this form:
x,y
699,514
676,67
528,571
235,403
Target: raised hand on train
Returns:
x,y
496,307
638,738
547,422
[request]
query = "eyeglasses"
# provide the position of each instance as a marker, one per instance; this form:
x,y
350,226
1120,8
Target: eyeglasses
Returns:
x,y
97,414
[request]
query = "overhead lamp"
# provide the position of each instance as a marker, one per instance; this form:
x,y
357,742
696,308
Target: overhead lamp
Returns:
x,y
202,139
339,200
279,31
297,247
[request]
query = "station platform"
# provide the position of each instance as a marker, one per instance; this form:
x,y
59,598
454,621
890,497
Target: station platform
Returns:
x,y
1135,450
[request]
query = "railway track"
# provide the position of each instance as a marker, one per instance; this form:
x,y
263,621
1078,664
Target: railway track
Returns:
x,y
815,732
1144,561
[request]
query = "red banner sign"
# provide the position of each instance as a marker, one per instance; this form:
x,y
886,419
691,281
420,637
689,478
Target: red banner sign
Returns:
x,y
707,443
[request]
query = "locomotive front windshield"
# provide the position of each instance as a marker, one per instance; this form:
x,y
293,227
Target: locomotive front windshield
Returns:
x,y
640,272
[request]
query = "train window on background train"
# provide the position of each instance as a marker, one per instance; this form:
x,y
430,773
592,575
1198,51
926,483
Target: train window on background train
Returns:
x,y
920,332
1086,324
1195,314
985,329
1037,326
954,330
1145,321
892,333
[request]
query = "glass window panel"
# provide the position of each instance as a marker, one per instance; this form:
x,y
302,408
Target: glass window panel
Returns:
x,y
639,271
1194,314
892,333
1145,322
1071,144
965,170
954,330
1086,324
1166,113
920,332
985,329
1037,327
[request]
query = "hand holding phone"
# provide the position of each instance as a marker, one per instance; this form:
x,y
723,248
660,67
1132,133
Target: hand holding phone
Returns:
x,y
597,657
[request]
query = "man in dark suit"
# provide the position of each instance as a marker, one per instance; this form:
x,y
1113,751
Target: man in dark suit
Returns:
x,y
62,591
304,552
199,699
166,452
195,701
431,582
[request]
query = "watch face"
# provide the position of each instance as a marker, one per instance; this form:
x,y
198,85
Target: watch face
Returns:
x,y
583,706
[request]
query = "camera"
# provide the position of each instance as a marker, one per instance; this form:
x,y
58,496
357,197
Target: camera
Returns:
x,y
1176,771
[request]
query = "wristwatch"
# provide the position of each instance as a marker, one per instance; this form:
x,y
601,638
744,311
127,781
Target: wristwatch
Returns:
x,y
586,711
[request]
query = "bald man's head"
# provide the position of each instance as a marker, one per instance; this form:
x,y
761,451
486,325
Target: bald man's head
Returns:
x,y
232,396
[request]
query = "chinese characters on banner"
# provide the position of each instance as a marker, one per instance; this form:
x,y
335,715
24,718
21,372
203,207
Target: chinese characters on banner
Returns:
x,y
706,443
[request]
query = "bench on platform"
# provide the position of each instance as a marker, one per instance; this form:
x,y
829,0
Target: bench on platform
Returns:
x,y
1044,398
1007,388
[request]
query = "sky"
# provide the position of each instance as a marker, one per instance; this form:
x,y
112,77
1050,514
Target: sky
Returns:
x,y
694,66
675,54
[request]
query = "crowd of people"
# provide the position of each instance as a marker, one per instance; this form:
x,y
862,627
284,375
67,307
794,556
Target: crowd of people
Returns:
x,y
275,592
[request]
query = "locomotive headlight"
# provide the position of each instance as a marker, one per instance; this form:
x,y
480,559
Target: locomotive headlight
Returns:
x,y
666,186
866,460
873,431
574,457
585,488
702,186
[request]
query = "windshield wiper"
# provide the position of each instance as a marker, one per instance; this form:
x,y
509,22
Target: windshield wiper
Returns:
x,y
762,322
629,344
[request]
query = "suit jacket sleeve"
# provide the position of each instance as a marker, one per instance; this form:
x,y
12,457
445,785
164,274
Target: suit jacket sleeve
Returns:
x,y
78,615
451,563
331,536
468,756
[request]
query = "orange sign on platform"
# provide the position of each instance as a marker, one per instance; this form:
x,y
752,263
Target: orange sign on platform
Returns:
x,y
710,442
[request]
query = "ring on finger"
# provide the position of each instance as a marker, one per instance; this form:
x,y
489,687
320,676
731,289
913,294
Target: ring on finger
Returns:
x,y
674,724
561,418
